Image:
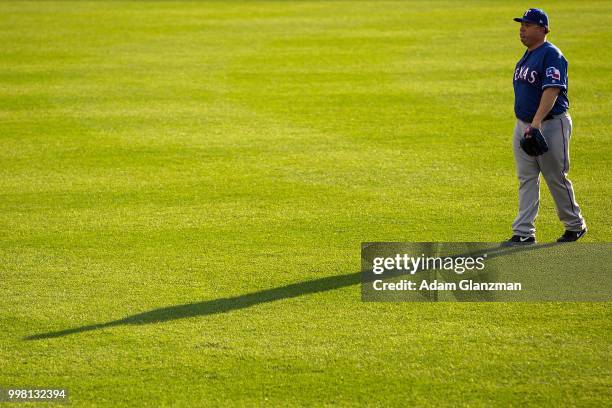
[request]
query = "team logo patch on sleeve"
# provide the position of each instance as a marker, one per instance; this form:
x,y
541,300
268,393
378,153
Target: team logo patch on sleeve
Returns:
x,y
553,72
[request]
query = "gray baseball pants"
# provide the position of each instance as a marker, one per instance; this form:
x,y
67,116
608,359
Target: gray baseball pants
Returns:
x,y
554,166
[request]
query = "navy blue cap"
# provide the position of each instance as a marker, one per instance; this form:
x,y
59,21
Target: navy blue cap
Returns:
x,y
535,16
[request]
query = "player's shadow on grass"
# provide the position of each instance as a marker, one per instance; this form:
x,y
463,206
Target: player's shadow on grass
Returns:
x,y
224,305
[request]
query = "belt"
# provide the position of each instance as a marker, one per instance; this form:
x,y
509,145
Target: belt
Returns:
x,y
547,117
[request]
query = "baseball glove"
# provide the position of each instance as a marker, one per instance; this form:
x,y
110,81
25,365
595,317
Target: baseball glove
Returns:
x,y
533,142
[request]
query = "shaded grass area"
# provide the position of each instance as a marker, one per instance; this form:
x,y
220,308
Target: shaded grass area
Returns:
x,y
157,154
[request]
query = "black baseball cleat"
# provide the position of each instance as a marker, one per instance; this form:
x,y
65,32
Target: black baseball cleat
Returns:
x,y
519,240
571,236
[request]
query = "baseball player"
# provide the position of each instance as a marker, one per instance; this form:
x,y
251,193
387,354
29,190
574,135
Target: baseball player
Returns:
x,y
542,132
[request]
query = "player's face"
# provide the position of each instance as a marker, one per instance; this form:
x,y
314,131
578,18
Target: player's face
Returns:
x,y
531,33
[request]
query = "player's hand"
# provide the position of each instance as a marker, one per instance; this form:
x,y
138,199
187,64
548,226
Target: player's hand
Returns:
x,y
534,142
529,130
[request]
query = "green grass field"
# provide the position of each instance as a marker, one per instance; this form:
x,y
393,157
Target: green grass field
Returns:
x,y
184,187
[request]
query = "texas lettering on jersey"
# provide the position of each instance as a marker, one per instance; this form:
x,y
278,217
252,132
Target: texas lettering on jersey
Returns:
x,y
525,74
